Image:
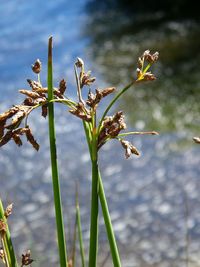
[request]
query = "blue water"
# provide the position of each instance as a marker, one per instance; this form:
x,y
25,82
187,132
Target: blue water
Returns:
x,y
147,195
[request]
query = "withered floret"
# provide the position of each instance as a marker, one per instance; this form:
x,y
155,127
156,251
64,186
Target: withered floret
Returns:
x,y
3,227
15,135
94,99
31,138
34,84
37,66
18,117
79,62
30,94
26,258
81,112
151,58
86,79
6,115
148,76
8,210
111,127
142,74
129,148
62,86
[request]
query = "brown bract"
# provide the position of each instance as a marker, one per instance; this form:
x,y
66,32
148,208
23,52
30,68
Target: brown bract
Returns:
x,y
81,112
86,79
15,136
37,66
3,227
94,99
111,127
129,149
151,58
26,258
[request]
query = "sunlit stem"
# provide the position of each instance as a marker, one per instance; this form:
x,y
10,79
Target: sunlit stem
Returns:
x,y
138,133
94,199
105,211
78,219
54,166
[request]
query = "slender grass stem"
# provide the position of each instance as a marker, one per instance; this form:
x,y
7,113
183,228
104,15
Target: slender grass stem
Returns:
x,y
5,249
10,254
105,210
138,133
54,166
108,224
94,216
94,200
74,243
78,220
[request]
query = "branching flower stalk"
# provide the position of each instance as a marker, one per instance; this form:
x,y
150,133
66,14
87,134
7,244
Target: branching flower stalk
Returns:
x,y
97,132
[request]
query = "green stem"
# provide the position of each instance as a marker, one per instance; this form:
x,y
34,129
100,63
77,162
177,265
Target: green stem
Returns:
x,y
94,204
94,217
8,242
78,219
54,166
112,103
105,210
108,224
138,133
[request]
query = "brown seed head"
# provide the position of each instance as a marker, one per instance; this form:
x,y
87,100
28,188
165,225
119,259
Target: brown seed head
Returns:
x,y
34,85
151,58
62,86
31,139
81,112
26,258
129,149
17,139
3,227
31,94
37,66
148,76
8,210
79,62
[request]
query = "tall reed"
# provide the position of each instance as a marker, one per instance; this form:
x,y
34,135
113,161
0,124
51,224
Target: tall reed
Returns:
x,y
97,134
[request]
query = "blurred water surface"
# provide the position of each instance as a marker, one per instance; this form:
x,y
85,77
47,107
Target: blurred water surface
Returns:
x,y
154,200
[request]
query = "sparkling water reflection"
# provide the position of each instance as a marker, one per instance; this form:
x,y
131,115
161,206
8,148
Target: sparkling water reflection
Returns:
x,y
147,195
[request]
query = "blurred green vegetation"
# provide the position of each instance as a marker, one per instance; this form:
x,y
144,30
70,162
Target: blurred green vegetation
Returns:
x,y
170,104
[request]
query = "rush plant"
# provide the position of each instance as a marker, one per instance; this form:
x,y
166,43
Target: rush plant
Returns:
x,y
97,132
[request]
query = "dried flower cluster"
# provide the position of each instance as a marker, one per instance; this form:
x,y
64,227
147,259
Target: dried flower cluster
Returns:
x,y
110,126
11,120
147,57
94,99
26,258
